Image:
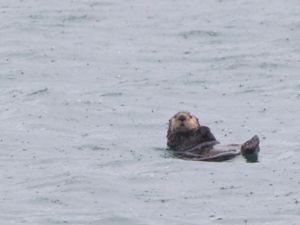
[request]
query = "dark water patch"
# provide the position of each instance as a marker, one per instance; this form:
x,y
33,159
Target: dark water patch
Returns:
x,y
38,92
55,221
233,56
266,65
60,15
14,93
91,219
92,147
73,18
9,76
112,94
39,16
250,220
251,158
237,66
199,34
202,83
46,200
57,19
120,220
159,149
164,152
114,163
144,81
55,25
249,90
159,200
99,3
17,54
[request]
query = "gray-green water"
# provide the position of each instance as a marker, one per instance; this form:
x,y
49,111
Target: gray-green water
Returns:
x,y
86,91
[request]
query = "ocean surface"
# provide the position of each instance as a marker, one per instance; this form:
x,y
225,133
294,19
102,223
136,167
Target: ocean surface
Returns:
x,y
86,91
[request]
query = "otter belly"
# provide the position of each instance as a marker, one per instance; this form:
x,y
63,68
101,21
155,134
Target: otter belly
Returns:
x,y
221,152
211,151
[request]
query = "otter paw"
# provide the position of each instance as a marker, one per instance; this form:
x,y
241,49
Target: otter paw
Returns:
x,y
251,146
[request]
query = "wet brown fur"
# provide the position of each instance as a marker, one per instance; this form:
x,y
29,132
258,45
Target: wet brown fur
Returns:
x,y
193,141
185,132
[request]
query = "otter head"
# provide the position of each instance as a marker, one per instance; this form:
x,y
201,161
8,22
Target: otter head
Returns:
x,y
183,123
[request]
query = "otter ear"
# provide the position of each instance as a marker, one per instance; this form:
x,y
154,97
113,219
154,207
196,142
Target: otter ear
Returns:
x,y
169,124
197,121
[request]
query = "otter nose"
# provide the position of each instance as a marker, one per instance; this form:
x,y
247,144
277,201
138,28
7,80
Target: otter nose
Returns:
x,y
182,118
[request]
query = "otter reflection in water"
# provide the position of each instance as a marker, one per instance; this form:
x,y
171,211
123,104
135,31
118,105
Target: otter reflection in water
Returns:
x,y
189,140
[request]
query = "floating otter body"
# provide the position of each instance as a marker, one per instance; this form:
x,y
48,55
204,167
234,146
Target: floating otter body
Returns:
x,y
189,140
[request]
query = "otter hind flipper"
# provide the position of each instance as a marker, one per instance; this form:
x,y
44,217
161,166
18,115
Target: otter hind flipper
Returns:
x,y
251,146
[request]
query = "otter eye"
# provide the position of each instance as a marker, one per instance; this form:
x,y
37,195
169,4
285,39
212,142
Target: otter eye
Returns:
x,y
190,116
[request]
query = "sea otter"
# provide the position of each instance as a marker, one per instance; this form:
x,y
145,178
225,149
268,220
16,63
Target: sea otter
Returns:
x,y
190,140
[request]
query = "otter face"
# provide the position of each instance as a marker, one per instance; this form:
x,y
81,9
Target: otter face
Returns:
x,y
183,122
